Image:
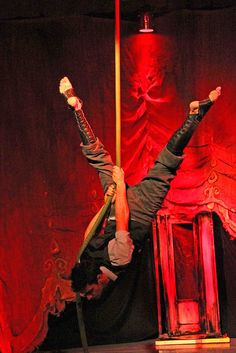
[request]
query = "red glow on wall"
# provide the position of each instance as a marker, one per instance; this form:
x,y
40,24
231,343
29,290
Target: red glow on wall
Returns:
x,y
148,49
149,100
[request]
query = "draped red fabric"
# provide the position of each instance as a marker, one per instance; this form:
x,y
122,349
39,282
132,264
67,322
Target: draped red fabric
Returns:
x,y
48,193
162,75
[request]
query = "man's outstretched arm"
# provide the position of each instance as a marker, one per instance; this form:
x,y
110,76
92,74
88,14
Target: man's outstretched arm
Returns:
x,y
121,204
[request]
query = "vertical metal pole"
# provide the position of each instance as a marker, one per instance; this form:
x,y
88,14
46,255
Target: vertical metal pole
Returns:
x,y
118,129
117,81
81,324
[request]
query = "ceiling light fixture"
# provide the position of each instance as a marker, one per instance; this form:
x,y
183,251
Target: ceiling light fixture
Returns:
x,y
146,23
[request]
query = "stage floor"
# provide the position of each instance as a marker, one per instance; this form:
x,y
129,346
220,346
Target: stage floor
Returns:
x,y
150,347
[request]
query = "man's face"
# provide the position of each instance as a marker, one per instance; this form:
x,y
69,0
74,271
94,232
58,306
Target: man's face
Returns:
x,y
92,291
95,290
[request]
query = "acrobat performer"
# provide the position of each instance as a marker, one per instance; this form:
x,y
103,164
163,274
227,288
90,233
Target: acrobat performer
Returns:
x,y
134,207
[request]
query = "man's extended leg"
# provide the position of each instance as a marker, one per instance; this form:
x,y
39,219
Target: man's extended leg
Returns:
x,y
92,148
75,103
146,198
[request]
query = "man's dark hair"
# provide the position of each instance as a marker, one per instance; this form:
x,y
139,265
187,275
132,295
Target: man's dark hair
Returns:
x,y
83,273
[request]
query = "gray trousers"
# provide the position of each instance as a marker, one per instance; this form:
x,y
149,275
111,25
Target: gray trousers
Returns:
x,y
146,197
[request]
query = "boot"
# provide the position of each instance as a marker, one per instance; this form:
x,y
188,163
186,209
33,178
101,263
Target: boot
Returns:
x,y
204,106
85,130
181,137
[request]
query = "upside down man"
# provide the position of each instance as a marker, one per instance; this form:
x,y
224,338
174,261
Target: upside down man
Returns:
x,y
133,208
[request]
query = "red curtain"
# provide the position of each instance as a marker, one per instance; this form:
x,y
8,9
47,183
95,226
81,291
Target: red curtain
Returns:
x,y
162,74
48,193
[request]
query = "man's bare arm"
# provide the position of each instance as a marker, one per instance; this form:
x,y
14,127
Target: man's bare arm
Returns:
x,y
121,204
